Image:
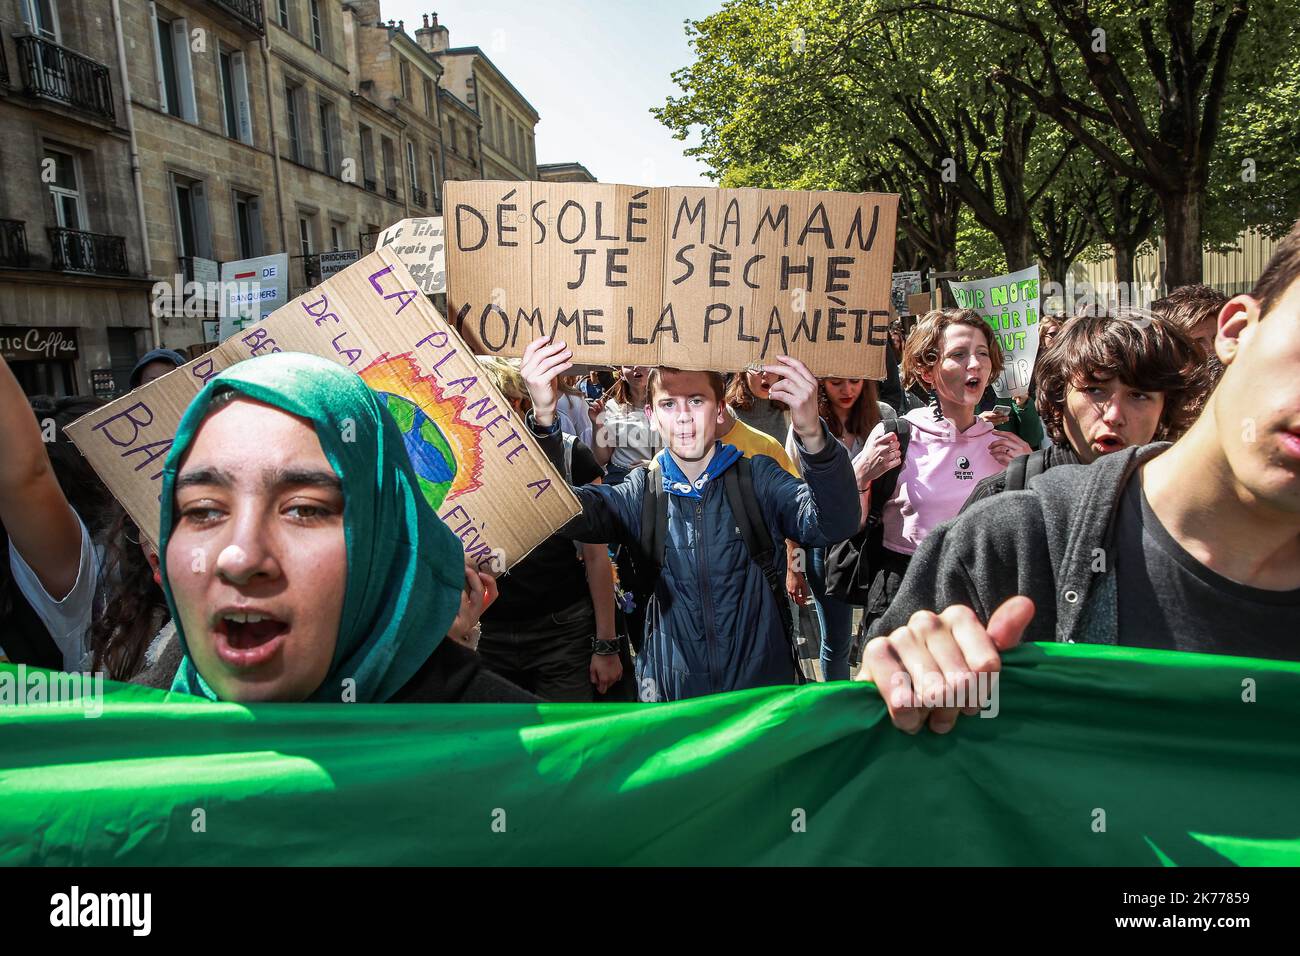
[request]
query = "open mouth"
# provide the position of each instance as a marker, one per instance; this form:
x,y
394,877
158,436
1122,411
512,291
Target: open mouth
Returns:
x,y
248,638
1108,443
974,382
1291,443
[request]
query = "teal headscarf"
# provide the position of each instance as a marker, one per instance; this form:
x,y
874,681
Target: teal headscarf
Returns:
x,y
406,570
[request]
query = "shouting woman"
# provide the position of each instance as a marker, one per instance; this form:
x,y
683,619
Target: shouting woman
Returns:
x,y
300,560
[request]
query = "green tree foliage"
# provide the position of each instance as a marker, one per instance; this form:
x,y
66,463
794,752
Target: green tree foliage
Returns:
x,y
1047,126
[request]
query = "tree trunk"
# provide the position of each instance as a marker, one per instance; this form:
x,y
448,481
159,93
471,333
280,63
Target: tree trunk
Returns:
x,y
1017,245
1123,263
1183,259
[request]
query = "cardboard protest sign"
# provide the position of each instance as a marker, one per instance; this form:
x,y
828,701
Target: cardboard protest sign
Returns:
x,y
420,244
1009,304
688,277
918,304
478,466
905,285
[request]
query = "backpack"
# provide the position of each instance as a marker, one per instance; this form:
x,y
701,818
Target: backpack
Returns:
x,y
1024,467
738,484
849,564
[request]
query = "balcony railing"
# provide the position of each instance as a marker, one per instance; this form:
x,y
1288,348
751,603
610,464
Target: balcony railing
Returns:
x,y
367,241
371,185
420,197
56,73
248,12
13,243
77,251
4,67
390,192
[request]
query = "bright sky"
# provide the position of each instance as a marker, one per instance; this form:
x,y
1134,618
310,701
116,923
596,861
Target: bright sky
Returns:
x,y
591,68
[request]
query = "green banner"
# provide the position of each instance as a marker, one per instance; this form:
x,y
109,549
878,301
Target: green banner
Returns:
x,y
1096,756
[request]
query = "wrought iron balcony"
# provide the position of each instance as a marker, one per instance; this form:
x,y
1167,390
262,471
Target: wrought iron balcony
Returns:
x,y
390,192
371,185
419,197
247,12
76,251
56,73
13,243
367,241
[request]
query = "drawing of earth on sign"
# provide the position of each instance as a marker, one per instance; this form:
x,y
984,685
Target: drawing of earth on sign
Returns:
x,y
444,448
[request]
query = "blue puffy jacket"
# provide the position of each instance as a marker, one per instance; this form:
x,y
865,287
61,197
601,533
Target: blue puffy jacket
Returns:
x,y
713,625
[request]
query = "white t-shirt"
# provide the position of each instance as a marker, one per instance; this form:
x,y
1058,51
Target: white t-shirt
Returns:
x,y
574,419
634,437
69,620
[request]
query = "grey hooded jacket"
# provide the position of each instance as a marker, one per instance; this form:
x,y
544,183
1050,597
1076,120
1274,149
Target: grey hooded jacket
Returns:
x,y
1050,543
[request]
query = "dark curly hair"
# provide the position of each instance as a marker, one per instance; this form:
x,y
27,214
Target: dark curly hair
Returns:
x,y
1145,353
134,606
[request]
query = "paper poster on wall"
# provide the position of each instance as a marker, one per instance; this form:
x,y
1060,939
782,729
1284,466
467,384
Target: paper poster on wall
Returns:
x,y
686,277
477,464
1009,304
251,289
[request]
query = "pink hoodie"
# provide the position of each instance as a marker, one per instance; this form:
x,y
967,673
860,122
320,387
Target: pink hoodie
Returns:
x,y
941,469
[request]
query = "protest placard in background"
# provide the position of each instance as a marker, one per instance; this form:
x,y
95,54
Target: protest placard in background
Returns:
x,y
477,464
420,244
905,285
1009,304
919,304
687,277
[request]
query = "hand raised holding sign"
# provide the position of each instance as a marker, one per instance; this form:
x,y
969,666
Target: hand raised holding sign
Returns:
x,y
543,360
797,387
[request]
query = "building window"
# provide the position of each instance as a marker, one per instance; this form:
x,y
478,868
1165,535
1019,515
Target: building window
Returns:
x,y
317,28
469,144
284,13
428,97
329,134
304,235
514,142
248,225
175,73
194,237
498,140
368,158
336,236
433,176
390,166
235,109
404,71
411,172
68,210
42,17
297,148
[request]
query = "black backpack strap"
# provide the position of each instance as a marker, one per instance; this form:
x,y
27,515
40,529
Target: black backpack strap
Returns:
x,y
1035,465
738,483
1016,477
654,517
882,489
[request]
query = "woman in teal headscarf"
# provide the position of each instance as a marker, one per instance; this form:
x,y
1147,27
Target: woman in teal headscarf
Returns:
x,y
300,560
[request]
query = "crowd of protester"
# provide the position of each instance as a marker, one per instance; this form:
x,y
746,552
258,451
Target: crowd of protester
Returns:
x,y
1144,492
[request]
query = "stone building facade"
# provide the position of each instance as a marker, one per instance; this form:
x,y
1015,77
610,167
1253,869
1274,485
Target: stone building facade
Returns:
x,y
258,127
74,292
508,122
564,173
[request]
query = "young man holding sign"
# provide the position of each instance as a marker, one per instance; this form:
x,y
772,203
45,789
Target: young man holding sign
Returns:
x,y
715,620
